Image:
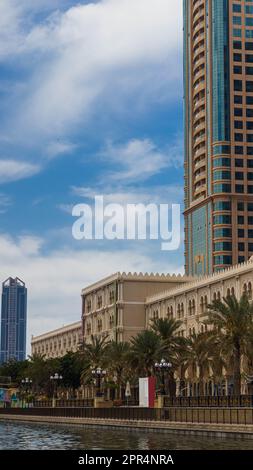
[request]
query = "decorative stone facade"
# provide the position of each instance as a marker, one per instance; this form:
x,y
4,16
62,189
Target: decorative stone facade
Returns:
x,y
58,342
115,306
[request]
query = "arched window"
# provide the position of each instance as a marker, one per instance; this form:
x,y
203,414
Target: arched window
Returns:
x,y
250,290
228,293
202,305
182,309
233,292
178,310
190,307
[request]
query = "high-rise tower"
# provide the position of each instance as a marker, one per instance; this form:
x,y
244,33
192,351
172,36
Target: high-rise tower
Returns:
x,y
218,82
13,320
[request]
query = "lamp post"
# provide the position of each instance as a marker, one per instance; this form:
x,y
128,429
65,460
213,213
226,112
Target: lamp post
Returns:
x,y
26,384
98,374
161,368
55,380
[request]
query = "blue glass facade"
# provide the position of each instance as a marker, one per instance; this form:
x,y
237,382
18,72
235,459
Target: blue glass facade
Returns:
x,y
13,320
220,71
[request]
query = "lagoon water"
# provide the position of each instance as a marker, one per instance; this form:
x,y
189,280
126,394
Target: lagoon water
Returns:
x,y
49,437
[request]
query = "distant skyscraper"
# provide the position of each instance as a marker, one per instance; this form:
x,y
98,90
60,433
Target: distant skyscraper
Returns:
x,y
13,320
218,82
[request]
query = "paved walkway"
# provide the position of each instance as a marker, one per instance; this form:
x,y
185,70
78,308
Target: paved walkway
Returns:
x,y
222,430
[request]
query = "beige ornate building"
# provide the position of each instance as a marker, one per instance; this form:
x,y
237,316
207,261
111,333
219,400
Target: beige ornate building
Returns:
x,y
188,303
58,342
115,306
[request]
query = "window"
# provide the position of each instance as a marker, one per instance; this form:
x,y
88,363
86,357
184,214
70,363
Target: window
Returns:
x,y
237,99
237,20
237,57
223,246
222,175
239,188
223,260
238,85
249,58
222,219
248,21
219,162
238,112
249,85
249,70
222,233
248,9
222,206
238,150
239,137
238,70
239,124
237,45
237,8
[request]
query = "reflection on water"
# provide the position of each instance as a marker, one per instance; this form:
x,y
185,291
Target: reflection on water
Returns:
x,y
41,436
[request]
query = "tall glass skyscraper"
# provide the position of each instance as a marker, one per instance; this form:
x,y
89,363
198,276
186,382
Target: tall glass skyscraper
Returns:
x,y
13,320
218,88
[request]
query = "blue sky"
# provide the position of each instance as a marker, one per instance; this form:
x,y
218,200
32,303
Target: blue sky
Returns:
x,y
91,102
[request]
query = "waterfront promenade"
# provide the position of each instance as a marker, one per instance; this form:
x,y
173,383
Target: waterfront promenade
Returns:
x,y
240,431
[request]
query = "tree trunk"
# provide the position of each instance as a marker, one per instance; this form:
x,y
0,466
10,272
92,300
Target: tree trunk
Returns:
x,y
201,382
237,371
172,385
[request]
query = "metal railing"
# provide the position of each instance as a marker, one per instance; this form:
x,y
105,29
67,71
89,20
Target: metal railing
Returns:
x,y
132,414
60,403
242,401
235,416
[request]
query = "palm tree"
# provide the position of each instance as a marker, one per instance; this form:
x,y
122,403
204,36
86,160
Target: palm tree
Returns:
x,y
93,355
232,320
198,356
173,344
146,349
117,360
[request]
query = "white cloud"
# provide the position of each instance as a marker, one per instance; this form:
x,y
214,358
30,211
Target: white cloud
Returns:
x,y
13,170
139,160
55,280
56,148
112,48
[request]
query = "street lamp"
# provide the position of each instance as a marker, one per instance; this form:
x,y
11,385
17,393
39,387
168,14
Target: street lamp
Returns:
x,y
161,368
98,374
26,385
55,380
